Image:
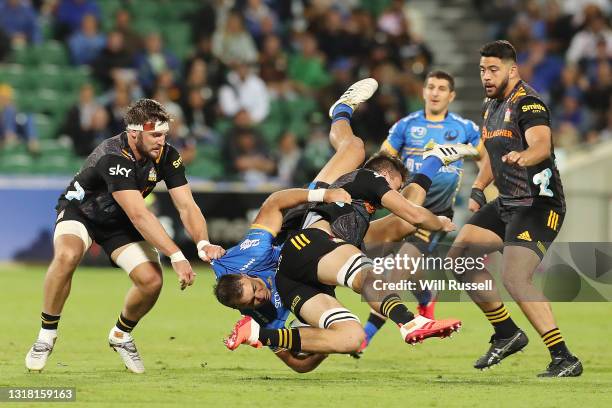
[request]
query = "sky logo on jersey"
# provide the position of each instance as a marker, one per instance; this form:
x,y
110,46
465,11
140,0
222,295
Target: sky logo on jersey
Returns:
x,y
119,171
248,243
418,132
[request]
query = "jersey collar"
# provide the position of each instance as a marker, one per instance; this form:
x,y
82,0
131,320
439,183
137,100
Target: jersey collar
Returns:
x,y
126,150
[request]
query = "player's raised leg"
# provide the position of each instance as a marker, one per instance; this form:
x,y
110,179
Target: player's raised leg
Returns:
x,y
71,241
141,261
350,152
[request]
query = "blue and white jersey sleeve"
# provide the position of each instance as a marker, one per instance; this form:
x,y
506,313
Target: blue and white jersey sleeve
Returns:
x,y
395,140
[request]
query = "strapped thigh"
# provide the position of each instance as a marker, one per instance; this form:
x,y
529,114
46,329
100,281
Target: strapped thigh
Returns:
x,y
135,254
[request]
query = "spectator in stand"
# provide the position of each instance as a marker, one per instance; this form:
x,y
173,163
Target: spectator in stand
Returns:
x,y
153,61
215,70
200,114
86,44
273,64
84,124
599,94
173,108
584,44
538,68
166,80
559,30
180,138
244,90
288,157
332,37
70,13
15,127
117,108
131,39
20,21
572,113
307,67
113,61
571,81
246,154
232,42
259,19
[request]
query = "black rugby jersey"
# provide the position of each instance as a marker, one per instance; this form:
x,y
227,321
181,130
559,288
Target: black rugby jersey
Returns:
x,y
351,222
112,167
503,130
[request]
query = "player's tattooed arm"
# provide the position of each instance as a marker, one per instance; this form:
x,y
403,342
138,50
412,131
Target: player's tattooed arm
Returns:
x,y
415,214
301,364
270,215
194,222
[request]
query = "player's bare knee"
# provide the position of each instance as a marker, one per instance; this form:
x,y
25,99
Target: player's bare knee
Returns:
x,y
66,260
349,338
356,147
150,282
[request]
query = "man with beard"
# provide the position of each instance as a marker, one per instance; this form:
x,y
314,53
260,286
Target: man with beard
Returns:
x,y
525,218
105,203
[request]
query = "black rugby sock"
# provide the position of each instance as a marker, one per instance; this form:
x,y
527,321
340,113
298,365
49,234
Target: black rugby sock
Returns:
x,y
502,322
394,309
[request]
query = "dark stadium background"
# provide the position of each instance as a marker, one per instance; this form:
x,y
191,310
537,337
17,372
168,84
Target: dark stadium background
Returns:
x,y
69,69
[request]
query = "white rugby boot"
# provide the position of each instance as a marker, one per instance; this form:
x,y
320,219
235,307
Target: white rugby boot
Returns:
x,y
37,356
357,93
123,343
450,153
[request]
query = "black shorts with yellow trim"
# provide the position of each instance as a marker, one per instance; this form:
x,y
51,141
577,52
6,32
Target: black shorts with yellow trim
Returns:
x,y
296,278
534,227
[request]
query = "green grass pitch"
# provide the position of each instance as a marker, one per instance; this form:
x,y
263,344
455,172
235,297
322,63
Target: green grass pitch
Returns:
x,y
187,364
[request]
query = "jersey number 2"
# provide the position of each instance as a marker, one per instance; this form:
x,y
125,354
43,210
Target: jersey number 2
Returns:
x,y
76,195
543,179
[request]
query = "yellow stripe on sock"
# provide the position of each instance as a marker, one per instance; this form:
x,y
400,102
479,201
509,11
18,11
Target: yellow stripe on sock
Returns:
x,y
550,334
500,319
124,323
496,311
552,344
387,306
553,339
290,334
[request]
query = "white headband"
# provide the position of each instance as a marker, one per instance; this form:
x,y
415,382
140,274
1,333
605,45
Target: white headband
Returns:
x,y
158,126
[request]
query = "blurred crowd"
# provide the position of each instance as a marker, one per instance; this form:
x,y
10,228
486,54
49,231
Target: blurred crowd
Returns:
x,y
565,52
249,95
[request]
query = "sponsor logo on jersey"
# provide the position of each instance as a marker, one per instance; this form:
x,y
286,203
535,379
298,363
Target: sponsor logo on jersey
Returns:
x,y
247,265
524,236
534,107
295,301
418,132
277,300
486,134
248,243
119,171
152,175
177,162
451,134
430,126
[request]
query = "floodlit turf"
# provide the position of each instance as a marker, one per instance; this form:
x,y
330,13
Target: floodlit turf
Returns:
x,y
187,364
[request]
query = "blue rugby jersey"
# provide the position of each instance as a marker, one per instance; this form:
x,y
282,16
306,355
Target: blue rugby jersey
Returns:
x,y
407,139
256,256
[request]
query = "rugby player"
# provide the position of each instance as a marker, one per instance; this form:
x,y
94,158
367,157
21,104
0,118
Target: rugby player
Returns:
x,y
525,218
408,139
105,203
306,280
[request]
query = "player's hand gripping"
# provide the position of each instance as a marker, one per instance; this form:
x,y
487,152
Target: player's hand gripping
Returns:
x,y
185,274
210,252
515,159
337,195
447,224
